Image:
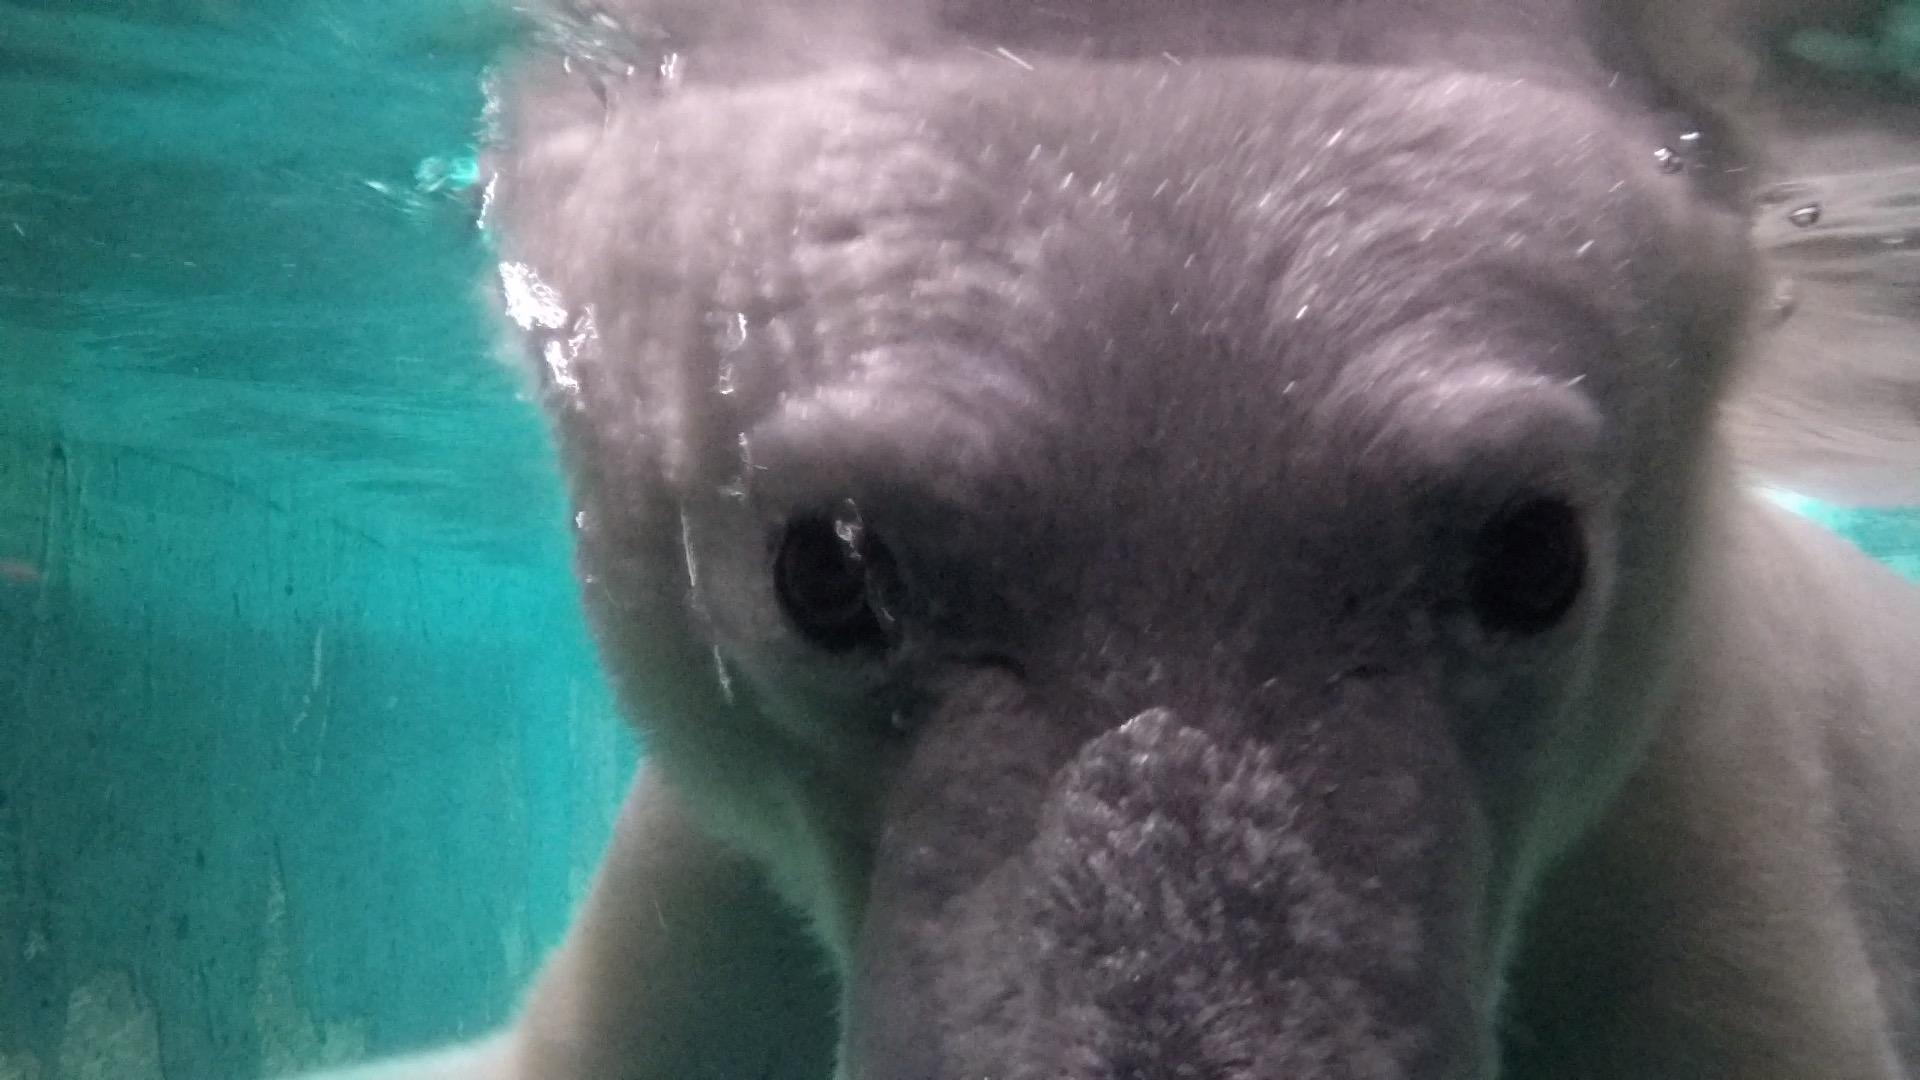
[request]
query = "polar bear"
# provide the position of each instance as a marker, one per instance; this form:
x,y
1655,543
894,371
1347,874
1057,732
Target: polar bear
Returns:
x,y
1154,540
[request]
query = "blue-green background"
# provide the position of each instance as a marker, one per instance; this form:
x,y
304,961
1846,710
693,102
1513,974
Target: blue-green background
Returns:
x,y
303,754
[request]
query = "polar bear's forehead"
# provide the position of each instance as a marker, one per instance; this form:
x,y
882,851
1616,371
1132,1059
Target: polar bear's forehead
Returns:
x,y
1321,219
1298,226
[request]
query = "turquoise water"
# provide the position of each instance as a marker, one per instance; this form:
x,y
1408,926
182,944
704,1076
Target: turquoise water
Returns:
x,y
303,756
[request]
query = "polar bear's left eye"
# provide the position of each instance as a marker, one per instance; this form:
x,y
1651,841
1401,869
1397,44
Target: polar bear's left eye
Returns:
x,y
1529,566
824,574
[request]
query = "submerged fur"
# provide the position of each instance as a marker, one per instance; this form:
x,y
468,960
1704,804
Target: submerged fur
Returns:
x,y
1178,355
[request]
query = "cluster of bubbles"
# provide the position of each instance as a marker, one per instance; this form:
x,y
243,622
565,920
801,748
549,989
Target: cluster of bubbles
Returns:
x,y
606,46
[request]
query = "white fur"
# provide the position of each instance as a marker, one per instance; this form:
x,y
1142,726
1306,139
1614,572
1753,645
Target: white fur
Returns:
x,y
1754,860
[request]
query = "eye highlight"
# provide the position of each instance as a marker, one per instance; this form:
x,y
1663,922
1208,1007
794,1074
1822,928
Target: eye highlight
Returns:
x,y
1529,566
824,575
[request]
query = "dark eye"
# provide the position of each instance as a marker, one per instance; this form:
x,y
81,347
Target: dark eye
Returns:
x,y
1530,564
824,574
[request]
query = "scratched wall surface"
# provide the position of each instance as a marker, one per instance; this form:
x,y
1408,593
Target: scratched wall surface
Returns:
x,y
303,752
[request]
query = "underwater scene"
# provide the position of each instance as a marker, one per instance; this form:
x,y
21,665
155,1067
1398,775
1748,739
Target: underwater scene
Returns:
x,y
306,756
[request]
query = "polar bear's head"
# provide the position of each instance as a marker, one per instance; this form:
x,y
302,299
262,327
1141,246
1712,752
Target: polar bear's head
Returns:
x,y
1153,556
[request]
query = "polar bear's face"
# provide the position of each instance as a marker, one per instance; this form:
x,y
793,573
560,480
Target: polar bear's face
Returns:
x,y
1154,558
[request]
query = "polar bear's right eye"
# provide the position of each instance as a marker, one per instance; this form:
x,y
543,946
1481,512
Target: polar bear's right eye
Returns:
x,y
1530,566
824,574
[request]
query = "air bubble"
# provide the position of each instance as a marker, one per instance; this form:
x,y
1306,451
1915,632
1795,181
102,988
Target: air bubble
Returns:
x,y
725,676
1668,161
560,367
729,330
672,72
1806,216
1782,302
531,303
452,175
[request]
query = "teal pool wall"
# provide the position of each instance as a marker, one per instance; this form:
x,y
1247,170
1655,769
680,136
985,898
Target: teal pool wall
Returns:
x,y
273,793
304,755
